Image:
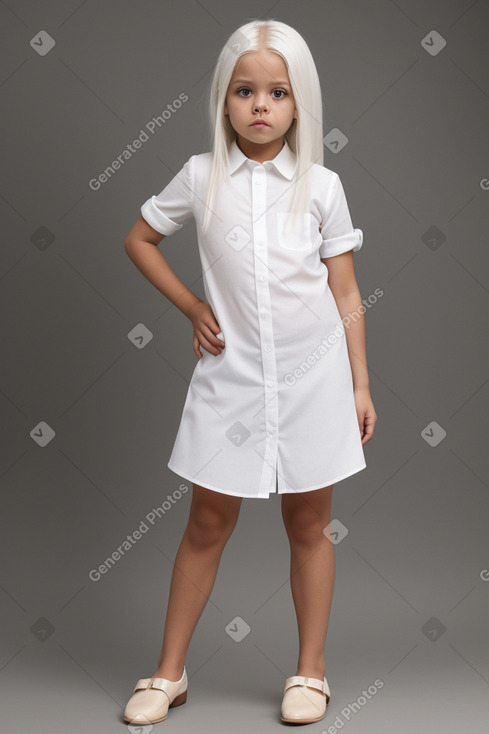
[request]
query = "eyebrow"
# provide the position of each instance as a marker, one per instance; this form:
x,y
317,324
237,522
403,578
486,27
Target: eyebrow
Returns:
x,y
248,81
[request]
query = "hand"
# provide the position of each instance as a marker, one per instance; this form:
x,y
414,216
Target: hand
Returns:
x,y
367,417
205,330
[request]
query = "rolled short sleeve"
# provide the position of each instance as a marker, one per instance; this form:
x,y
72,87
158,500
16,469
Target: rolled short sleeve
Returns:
x,y
167,211
337,229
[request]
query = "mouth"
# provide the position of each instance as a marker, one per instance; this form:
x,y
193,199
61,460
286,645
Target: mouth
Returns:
x,y
260,124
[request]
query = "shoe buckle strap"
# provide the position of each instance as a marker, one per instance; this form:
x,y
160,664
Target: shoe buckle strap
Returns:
x,y
142,683
302,680
162,684
159,683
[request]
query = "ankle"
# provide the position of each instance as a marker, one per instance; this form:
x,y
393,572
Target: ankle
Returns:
x,y
311,670
169,671
311,673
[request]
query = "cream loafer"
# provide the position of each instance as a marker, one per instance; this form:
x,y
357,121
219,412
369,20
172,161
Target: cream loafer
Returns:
x,y
304,699
153,697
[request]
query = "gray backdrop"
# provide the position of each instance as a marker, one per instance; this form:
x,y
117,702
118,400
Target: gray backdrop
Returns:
x,y
406,82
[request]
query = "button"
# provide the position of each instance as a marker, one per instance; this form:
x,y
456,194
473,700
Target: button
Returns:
x,y
270,384
263,277
267,348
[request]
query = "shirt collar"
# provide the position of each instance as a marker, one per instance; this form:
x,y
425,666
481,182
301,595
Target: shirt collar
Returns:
x,y
285,161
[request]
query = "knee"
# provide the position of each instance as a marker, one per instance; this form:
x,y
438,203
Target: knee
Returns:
x,y
304,527
207,528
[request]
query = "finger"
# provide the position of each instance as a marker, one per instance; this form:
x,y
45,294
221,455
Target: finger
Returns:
x,y
209,321
207,345
369,432
213,330
197,351
220,338
212,339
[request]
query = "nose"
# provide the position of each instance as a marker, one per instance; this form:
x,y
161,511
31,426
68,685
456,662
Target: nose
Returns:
x,y
260,106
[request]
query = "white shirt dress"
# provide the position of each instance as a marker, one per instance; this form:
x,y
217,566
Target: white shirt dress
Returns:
x,y
275,410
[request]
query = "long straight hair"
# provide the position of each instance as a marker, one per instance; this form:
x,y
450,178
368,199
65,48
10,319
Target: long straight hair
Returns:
x,y
305,135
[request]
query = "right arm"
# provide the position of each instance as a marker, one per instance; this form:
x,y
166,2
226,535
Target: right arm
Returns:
x,y
141,245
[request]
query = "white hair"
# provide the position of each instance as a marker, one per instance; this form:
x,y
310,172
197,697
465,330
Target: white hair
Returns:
x,y
305,135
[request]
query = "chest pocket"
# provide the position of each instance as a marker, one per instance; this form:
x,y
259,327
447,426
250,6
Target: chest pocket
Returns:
x,y
301,232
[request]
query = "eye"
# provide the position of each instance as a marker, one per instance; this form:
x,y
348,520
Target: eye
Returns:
x,y
246,89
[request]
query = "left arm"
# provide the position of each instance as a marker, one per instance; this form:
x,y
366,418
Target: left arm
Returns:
x,y
344,286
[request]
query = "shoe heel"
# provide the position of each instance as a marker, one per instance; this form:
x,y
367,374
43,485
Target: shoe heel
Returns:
x,y
178,700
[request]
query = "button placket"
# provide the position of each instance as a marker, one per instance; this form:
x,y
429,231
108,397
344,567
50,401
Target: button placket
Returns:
x,y
258,179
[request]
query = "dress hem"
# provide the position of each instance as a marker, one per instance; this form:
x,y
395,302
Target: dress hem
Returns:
x,y
326,483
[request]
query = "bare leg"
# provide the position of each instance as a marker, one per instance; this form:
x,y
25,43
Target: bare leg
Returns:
x,y
212,518
312,573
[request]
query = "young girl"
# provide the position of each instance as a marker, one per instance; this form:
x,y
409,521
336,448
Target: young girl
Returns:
x,y
279,399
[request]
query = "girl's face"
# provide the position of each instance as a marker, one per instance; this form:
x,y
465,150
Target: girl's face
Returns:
x,y
260,89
